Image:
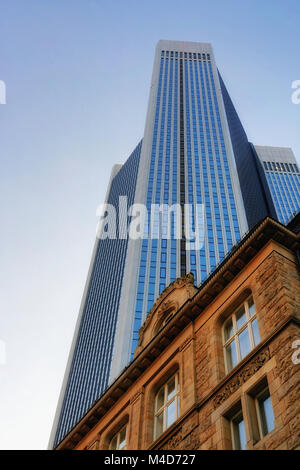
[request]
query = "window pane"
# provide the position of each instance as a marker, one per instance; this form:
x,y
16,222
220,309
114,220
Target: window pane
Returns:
x,y
242,435
122,438
256,336
171,413
159,424
160,398
267,416
251,307
228,329
240,318
113,444
171,389
231,355
239,433
244,343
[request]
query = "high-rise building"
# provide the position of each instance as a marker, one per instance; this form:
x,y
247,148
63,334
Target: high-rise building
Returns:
x,y
194,152
283,177
257,198
186,157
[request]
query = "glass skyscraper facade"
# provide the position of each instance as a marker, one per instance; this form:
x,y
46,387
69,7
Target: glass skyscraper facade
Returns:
x,y
283,177
186,158
194,152
188,147
255,191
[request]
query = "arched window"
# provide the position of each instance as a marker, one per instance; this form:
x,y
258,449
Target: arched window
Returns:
x,y
118,442
240,334
167,405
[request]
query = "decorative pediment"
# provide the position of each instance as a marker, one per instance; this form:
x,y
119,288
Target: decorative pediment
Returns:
x,y
168,303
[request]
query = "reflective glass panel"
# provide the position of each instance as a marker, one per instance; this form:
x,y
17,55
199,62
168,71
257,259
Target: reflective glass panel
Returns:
x,y
171,389
231,355
240,318
266,412
255,331
244,343
228,329
159,424
171,413
251,307
160,398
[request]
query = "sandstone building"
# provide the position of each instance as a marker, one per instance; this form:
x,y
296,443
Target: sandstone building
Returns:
x,y
217,366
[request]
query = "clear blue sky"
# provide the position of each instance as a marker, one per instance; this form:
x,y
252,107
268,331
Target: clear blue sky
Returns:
x,y
78,75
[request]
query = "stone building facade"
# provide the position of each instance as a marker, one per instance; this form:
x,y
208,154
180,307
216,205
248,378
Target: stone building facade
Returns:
x,y
217,367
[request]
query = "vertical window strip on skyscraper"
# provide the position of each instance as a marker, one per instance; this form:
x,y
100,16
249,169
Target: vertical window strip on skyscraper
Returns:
x,y
233,210
173,241
211,180
274,197
189,182
288,194
153,283
220,179
282,197
296,184
195,259
144,252
202,159
292,191
285,196
162,262
182,199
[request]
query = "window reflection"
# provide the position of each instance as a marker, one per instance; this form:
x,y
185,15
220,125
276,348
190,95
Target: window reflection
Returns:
x,y
118,442
167,405
240,334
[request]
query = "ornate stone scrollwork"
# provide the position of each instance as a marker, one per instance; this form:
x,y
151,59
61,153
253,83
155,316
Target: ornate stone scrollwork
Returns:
x,y
242,377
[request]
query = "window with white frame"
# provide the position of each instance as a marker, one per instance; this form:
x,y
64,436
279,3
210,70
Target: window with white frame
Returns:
x,y
167,405
240,333
118,442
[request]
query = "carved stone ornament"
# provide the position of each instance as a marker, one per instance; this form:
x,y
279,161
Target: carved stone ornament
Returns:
x,y
257,363
167,304
180,282
178,442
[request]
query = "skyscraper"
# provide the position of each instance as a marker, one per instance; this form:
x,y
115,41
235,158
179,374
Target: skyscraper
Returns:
x,y
283,178
257,198
186,157
194,152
